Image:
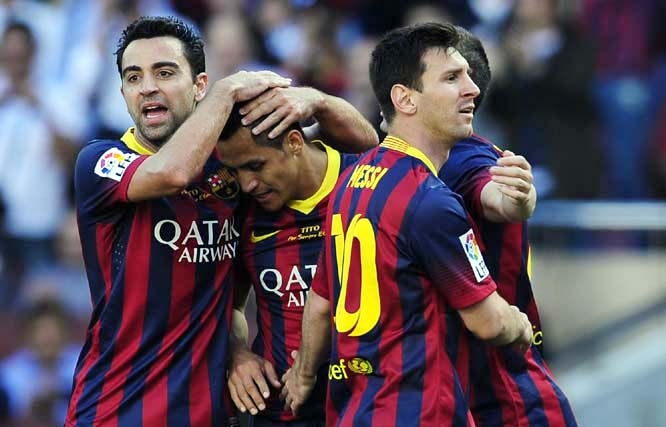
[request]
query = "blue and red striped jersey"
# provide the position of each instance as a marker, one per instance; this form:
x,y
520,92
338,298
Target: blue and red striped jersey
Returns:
x,y
279,253
159,272
400,258
507,388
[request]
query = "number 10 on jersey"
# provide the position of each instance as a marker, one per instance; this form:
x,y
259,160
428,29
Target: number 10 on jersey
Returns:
x,y
366,316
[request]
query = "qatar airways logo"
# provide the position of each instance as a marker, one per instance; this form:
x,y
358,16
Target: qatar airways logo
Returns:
x,y
291,284
201,242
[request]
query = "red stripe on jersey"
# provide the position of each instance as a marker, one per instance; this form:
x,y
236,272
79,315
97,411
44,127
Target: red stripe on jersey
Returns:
x,y
510,264
360,384
200,397
549,399
104,262
180,301
390,348
127,340
506,391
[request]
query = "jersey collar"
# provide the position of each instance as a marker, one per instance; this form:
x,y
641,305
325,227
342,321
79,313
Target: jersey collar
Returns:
x,y
130,141
330,178
398,144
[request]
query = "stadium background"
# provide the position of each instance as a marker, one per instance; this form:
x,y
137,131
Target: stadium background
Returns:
x,y
579,88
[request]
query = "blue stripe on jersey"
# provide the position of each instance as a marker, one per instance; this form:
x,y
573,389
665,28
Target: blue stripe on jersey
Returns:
x,y
108,314
154,324
565,406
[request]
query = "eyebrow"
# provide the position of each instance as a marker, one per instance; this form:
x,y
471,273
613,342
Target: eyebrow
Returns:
x,y
155,66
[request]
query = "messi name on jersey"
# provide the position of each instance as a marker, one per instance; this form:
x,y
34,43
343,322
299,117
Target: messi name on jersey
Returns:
x,y
202,241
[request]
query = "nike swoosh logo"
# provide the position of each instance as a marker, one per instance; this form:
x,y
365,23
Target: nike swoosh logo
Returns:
x,y
256,239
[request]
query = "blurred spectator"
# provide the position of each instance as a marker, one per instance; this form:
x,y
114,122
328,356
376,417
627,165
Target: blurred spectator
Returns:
x,y
542,96
359,90
626,33
38,376
32,175
65,279
224,58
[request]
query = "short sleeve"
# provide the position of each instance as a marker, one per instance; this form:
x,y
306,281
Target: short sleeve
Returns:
x,y
102,175
320,280
443,242
466,172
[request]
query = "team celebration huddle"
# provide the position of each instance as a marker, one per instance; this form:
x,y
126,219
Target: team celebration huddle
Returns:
x,y
390,278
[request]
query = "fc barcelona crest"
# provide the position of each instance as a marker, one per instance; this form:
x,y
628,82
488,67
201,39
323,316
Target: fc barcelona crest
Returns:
x,y
223,184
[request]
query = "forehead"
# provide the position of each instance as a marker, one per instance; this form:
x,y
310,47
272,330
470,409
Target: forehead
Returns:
x,y
436,59
241,149
146,52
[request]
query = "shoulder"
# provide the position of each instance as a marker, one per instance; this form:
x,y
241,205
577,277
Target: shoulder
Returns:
x,y
475,145
438,201
108,149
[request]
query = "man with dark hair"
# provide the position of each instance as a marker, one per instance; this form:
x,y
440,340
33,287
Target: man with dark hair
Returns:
x,y
289,180
497,190
402,278
159,232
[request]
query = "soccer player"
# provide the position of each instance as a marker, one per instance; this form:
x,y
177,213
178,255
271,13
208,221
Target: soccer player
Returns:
x,y
402,275
289,180
156,219
507,388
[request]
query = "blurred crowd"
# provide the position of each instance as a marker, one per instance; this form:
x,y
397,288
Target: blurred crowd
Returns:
x,y
579,88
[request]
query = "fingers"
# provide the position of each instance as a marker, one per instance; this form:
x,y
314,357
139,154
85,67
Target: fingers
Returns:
x,y
255,103
279,108
511,159
518,195
248,386
517,184
255,83
279,120
271,375
246,396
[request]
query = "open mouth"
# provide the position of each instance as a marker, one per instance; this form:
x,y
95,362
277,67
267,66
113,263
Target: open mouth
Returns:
x,y
154,112
467,110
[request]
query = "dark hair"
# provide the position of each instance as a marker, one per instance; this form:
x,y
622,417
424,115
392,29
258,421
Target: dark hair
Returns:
x,y
472,49
21,27
148,27
234,124
398,59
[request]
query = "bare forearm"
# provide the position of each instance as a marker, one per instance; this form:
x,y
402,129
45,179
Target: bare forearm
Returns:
x,y
498,207
343,126
513,326
240,331
316,335
192,144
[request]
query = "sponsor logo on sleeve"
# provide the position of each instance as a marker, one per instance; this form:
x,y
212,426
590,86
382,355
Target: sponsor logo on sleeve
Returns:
x,y
474,256
113,164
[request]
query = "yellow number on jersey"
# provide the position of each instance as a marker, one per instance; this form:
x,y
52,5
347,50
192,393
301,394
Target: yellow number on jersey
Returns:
x,y
366,316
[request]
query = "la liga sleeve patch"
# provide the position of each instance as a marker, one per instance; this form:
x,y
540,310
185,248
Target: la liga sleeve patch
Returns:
x,y
113,164
473,253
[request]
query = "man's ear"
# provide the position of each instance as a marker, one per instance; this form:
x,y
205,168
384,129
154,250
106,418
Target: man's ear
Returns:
x,y
200,86
403,99
293,142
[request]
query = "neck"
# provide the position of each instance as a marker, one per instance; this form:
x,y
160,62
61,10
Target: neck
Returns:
x,y
145,143
436,150
313,170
